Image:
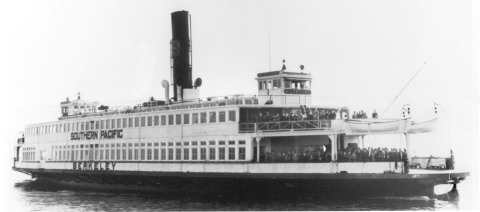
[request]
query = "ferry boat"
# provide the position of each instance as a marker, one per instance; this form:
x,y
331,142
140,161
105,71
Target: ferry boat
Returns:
x,y
275,141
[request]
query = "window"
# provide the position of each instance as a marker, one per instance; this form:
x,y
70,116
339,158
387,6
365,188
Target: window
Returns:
x,y
142,153
231,116
143,121
170,119
287,84
87,126
221,153
113,124
231,153
241,153
260,85
107,122
194,154
81,128
195,118
231,142
221,116
97,125
119,123
241,142
211,143
212,154
186,154
164,120
203,154
156,120
213,117
129,152
149,153
149,121
135,152
118,153
170,154
112,154
130,122
107,153
178,119
162,155
124,123
186,118
221,142
277,84
155,154
137,122
178,154
194,143
203,118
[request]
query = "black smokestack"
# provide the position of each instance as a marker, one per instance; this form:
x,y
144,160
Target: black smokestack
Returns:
x,y
180,51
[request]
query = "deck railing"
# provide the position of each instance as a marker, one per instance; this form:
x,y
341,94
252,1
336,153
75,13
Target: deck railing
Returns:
x,y
285,126
168,107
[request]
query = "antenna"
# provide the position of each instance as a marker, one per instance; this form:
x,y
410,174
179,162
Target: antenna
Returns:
x,y
421,67
269,53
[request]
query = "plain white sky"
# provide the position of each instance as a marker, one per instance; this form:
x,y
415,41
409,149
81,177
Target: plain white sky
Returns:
x,y
361,53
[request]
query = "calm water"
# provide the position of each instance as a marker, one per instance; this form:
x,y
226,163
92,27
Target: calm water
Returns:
x,y
26,196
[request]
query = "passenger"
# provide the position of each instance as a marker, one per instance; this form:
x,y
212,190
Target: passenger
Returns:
x,y
295,157
328,156
374,114
354,116
319,156
299,116
359,154
312,157
316,114
283,117
293,117
353,157
260,118
405,161
321,115
333,115
310,115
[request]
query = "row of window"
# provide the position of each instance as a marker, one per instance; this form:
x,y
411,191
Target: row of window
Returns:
x,y
165,151
29,154
277,83
144,121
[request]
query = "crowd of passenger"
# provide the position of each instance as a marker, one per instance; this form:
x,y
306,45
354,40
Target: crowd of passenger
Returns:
x,y
292,156
362,115
355,154
350,154
304,113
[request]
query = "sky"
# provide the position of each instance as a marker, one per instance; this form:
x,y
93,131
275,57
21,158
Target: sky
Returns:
x,y
360,53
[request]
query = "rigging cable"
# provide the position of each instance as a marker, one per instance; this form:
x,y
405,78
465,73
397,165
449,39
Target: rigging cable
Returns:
x,y
421,67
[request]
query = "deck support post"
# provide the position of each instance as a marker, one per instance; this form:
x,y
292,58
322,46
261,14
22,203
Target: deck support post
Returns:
x,y
257,139
409,146
363,141
333,147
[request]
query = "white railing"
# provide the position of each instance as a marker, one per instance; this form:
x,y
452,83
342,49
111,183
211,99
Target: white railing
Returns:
x,y
176,106
285,125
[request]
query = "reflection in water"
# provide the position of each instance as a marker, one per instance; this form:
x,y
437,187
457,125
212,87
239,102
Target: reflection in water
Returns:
x,y
31,195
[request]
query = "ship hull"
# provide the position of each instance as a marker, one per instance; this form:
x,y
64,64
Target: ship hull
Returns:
x,y
327,185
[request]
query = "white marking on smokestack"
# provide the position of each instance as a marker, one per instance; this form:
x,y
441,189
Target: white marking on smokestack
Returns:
x,y
166,85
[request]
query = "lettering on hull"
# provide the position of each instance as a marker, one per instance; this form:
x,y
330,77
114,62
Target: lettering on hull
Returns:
x,y
94,166
92,135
